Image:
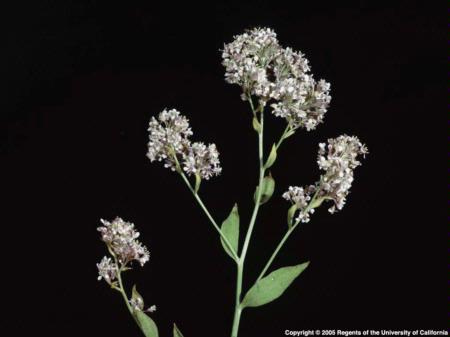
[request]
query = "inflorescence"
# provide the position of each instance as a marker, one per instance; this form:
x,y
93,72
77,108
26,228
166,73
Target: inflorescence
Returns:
x,y
107,270
281,79
169,142
137,304
338,159
256,61
121,240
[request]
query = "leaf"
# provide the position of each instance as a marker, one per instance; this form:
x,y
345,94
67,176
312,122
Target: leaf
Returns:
x,y
272,157
230,229
256,125
146,324
176,331
291,214
268,186
272,286
135,294
138,299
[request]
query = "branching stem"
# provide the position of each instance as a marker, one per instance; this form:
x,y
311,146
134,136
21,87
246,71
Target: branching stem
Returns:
x,y
285,237
211,219
240,268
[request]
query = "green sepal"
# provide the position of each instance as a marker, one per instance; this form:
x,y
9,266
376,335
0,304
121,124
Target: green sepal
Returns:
x,y
272,286
115,285
230,230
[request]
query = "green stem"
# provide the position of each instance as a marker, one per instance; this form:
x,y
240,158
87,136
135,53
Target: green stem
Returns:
x,y
237,308
259,193
276,251
251,104
124,294
240,268
211,219
121,287
286,130
285,237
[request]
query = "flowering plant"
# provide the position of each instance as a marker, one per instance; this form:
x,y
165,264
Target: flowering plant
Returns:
x,y
272,78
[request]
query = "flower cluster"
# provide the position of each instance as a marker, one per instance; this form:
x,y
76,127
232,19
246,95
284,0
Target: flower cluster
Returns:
x,y
169,134
300,197
107,270
256,61
338,159
169,142
202,160
121,238
246,59
137,303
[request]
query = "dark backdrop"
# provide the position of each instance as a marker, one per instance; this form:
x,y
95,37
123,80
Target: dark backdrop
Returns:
x,y
83,81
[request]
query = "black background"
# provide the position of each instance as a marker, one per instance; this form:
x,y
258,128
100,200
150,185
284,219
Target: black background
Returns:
x,y
83,80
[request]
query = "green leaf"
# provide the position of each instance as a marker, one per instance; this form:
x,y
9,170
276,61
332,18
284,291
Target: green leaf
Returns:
x,y
268,187
272,286
230,229
146,324
256,125
176,331
135,294
272,157
291,214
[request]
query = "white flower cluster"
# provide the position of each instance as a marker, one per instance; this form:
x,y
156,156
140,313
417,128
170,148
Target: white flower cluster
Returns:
x,y
203,160
169,142
256,61
338,159
121,237
107,270
169,134
137,303
300,197
246,59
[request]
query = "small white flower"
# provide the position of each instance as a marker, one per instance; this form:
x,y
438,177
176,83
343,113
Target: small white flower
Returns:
x,y
300,197
107,270
151,308
137,304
